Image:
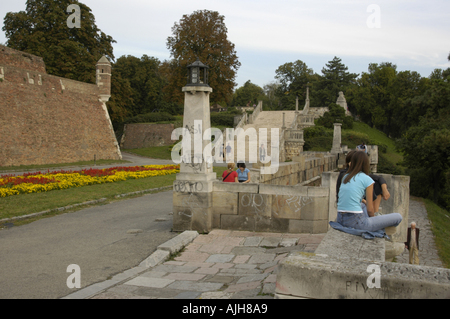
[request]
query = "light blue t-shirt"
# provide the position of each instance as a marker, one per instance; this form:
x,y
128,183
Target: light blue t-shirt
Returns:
x,y
243,176
351,194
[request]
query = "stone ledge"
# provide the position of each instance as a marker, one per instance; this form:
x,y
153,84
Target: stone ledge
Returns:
x,y
304,275
336,244
339,270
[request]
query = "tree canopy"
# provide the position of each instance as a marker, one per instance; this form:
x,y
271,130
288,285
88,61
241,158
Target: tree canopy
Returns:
x,y
293,78
249,94
334,79
202,35
67,52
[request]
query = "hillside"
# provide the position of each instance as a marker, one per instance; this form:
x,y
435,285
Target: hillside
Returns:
x,y
320,139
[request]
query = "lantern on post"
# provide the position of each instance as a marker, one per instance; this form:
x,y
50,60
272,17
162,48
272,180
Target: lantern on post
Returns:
x,y
197,74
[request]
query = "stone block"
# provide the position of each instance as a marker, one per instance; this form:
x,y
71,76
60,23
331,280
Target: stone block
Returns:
x,y
192,211
237,222
253,241
275,225
194,183
255,205
308,226
318,191
329,180
192,200
290,207
315,208
282,190
225,203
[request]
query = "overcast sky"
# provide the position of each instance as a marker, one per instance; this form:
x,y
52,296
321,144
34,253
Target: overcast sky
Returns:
x,y
412,34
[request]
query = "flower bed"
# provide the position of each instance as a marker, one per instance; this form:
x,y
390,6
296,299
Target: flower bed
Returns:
x,y
43,182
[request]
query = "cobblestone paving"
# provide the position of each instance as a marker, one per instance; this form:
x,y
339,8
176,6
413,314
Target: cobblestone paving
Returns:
x,y
221,265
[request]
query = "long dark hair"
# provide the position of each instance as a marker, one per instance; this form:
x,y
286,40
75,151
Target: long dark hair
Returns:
x,y
348,158
360,163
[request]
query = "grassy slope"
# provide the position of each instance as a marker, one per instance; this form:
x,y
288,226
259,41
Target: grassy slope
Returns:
x,y
380,138
440,221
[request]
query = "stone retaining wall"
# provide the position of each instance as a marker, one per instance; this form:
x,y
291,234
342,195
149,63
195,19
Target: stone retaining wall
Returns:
x,y
303,168
142,135
255,207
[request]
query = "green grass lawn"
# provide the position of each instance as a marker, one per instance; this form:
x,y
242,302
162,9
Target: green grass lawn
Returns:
x,y
4,169
440,221
158,152
379,137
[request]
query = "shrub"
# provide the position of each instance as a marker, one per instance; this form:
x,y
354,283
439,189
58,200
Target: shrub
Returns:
x,y
318,143
150,118
317,131
336,114
386,167
222,119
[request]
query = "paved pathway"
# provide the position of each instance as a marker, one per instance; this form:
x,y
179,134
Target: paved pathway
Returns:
x,y
221,265
428,255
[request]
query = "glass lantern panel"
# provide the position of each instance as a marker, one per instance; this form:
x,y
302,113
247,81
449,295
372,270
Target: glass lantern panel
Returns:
x,y
195,75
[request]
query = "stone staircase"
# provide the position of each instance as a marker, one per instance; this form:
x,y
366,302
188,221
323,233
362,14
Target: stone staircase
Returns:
x,y
268,120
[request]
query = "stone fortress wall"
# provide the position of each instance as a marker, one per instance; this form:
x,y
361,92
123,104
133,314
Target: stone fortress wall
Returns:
x,y
142,135
47,119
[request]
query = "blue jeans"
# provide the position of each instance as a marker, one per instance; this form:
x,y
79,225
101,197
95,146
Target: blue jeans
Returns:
x,y
364,222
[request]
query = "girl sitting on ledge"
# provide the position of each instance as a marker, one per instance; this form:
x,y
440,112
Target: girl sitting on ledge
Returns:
x,y
352,212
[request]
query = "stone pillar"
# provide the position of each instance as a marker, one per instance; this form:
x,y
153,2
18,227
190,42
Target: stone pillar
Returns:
x,y
296,104
398,187
306,108
336,139
192,193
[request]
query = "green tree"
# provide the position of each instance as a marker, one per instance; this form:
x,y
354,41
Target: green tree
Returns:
x,y
202,35
426,147
403,89
248,94
336,114
334,79
426,143
42,30
371,97
121,99
145,80
270,100
293,78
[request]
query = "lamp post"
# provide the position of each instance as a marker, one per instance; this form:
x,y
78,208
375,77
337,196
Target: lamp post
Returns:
x,y
197,74
192,196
